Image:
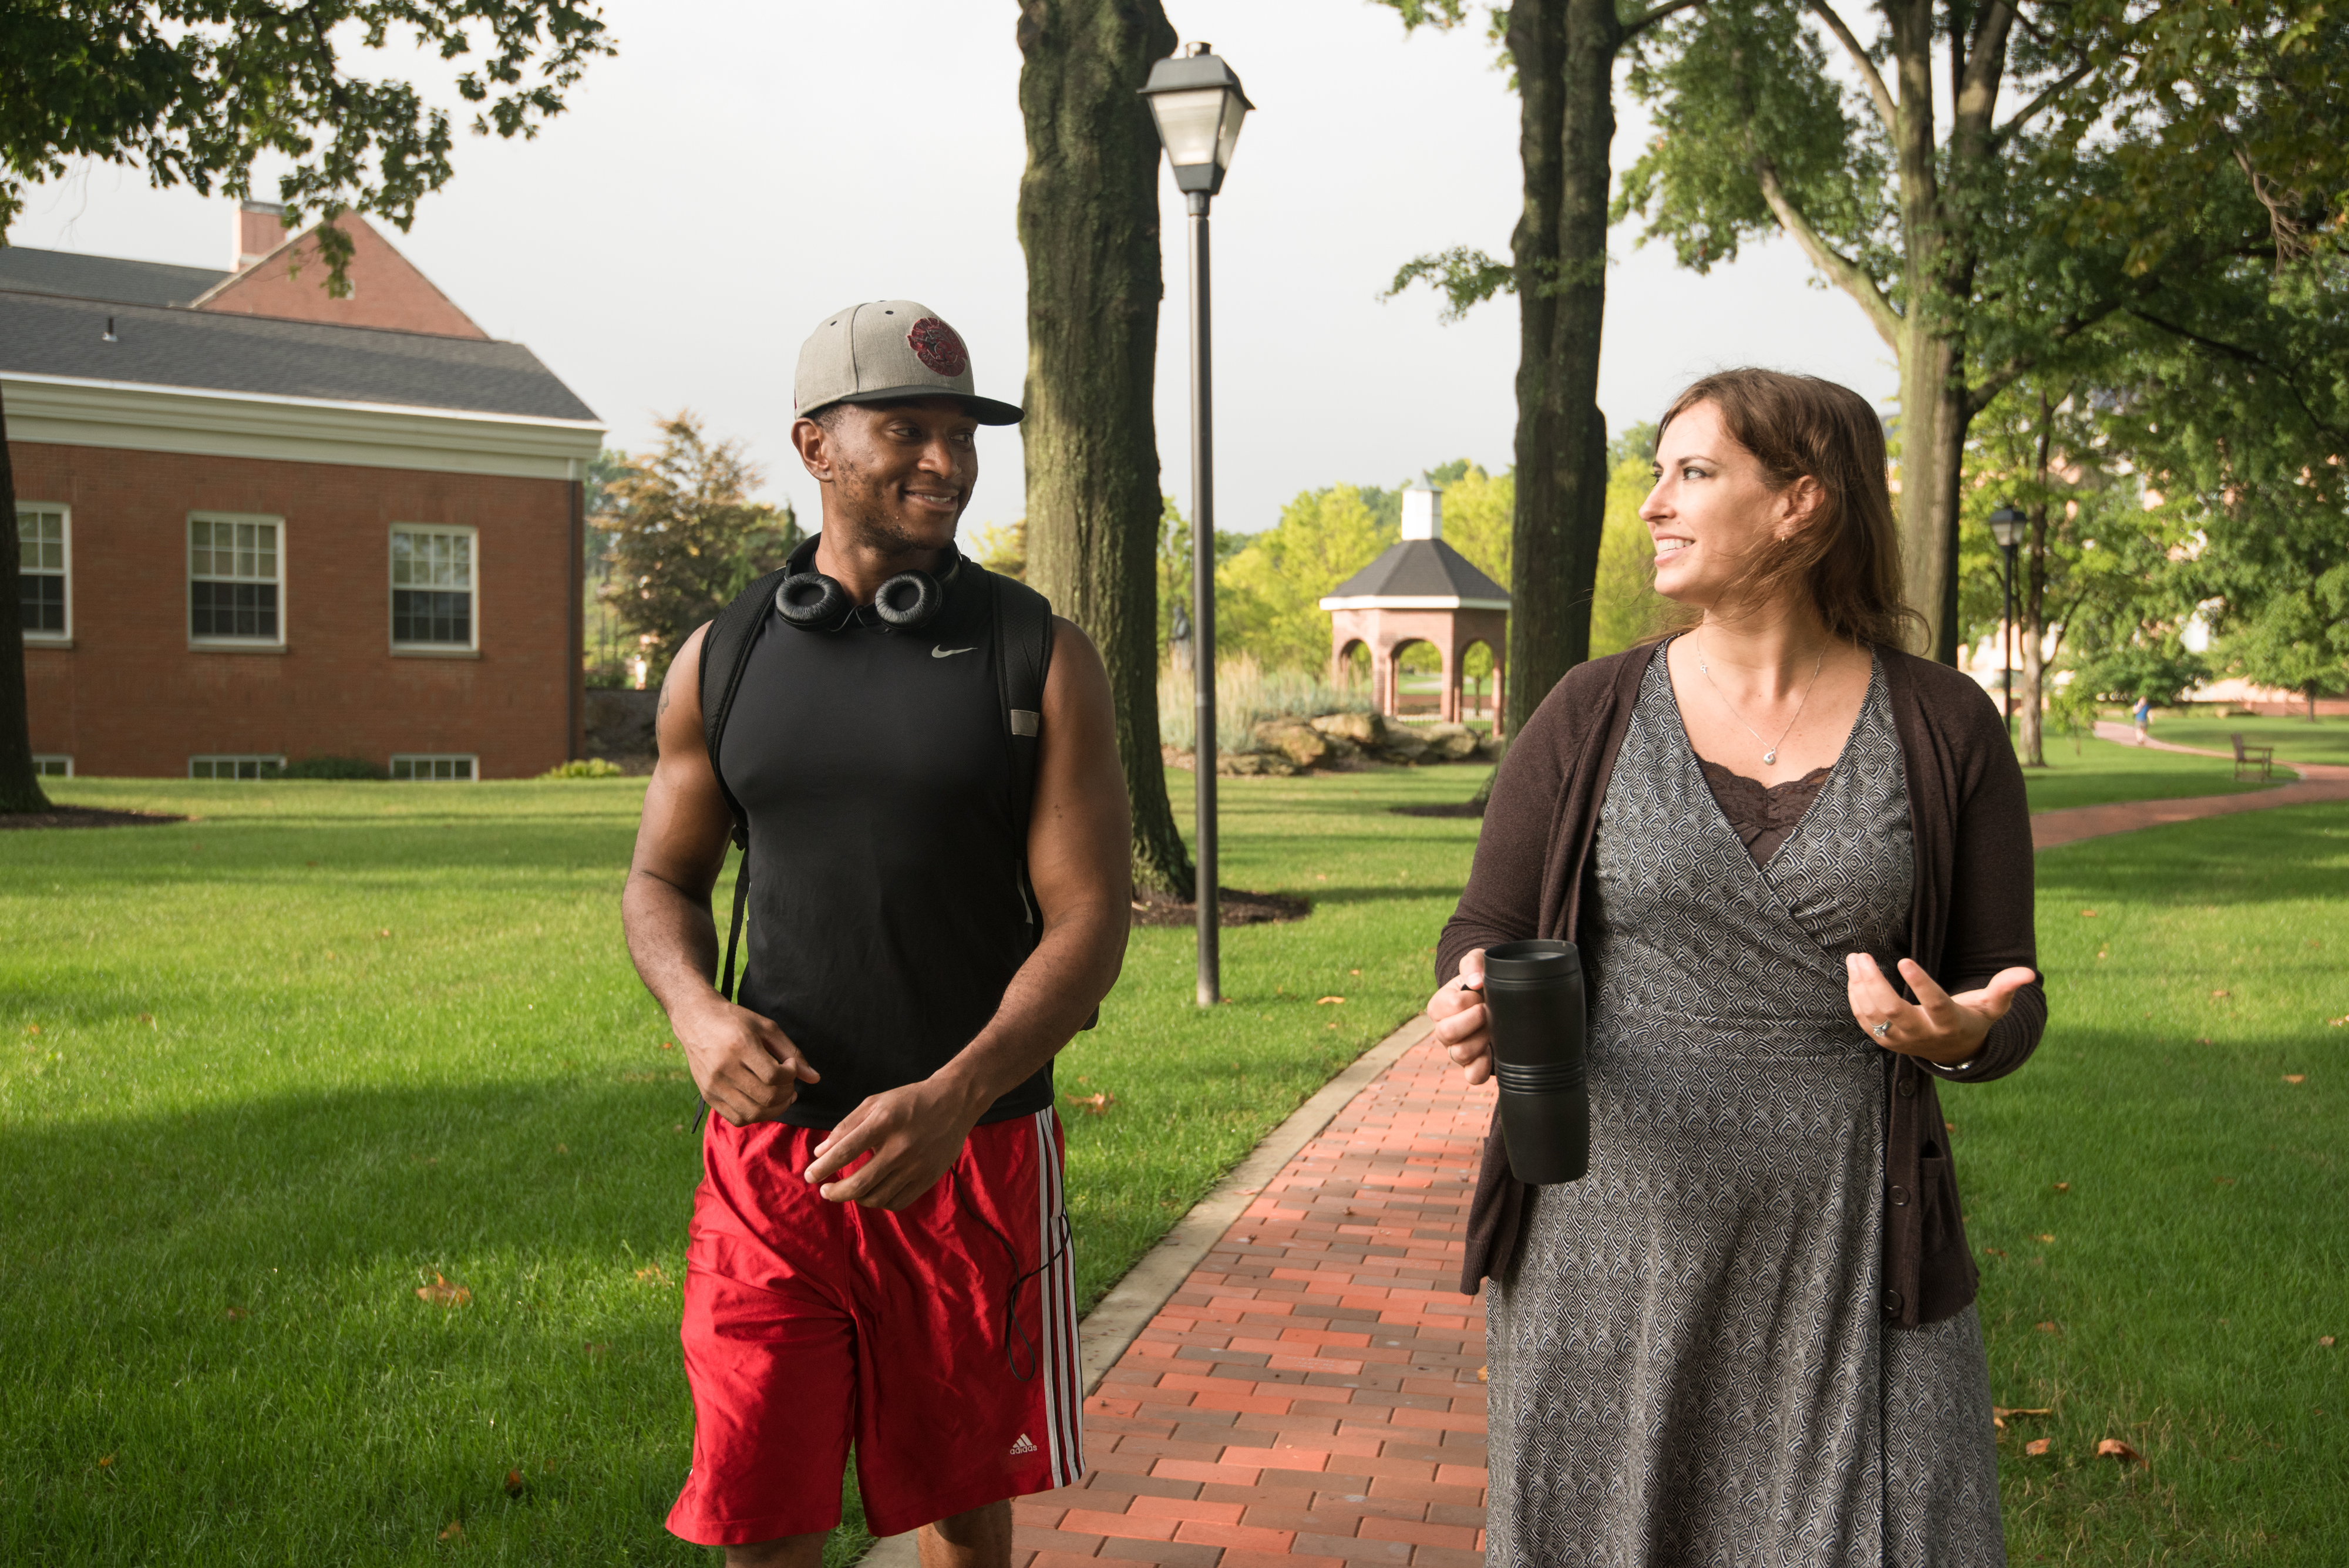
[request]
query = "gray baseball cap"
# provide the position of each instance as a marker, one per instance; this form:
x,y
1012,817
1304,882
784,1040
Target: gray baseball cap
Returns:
x,y
887,349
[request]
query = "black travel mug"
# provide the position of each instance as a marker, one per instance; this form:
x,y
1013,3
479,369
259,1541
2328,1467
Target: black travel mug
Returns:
x,y
1533,993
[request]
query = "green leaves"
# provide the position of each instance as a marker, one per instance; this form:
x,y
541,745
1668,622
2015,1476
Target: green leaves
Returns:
x,y
196,92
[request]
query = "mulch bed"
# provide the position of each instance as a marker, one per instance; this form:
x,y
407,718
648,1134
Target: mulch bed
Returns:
x,y
84,817
1442,808
1233,908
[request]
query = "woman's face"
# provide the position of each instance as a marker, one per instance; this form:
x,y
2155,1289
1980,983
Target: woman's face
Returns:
x,y
1711,509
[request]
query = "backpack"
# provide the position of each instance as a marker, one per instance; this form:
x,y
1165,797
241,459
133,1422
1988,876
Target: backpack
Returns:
x,y
1023,653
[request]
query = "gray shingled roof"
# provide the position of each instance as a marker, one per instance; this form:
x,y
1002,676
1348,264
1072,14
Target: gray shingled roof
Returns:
x,y
1421,569
43,335
76,276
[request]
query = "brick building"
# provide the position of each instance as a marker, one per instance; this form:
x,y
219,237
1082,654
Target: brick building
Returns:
x,y
259,524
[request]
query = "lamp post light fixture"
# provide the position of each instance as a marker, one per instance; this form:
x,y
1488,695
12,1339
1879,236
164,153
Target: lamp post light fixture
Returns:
x,y
1197,104
2006,527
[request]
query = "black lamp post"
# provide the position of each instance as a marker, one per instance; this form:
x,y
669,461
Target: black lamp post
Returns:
x,y
1197,104
2006,527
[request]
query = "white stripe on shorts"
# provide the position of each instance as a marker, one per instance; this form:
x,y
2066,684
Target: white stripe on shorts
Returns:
x,y
1057,1302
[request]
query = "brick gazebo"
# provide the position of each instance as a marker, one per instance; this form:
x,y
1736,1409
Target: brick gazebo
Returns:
x,y
1421,590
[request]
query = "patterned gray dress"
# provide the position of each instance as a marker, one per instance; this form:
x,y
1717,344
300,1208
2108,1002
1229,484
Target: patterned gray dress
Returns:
x,y
1689,1364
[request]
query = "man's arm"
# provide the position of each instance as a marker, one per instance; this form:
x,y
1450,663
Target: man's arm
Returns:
x,y
748,1069
1079,849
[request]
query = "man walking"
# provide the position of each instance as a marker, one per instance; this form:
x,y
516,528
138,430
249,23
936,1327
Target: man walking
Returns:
x,y
879,1249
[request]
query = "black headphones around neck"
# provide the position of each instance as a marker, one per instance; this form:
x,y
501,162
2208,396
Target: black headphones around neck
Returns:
x,y
814,602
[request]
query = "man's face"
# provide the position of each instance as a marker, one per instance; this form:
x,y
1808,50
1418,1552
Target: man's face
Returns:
x,y
900,473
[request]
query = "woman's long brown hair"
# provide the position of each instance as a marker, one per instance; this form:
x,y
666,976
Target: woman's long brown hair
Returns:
x,y
1847,557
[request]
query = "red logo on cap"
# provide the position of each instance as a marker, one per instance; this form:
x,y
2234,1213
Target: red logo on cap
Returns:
x,y
937,345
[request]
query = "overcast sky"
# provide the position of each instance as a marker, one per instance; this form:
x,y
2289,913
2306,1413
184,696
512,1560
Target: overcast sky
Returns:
x,y
742,168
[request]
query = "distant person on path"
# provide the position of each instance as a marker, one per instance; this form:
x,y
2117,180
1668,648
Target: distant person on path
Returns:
x,y
879,1247
1747,1335
2144,716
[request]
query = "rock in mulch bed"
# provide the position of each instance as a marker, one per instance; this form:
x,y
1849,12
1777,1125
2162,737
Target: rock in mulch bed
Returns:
x,y
1233,908
84,817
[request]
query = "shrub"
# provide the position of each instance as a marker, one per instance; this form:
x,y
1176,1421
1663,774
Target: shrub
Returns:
x,y
1246,693
583,768
332,768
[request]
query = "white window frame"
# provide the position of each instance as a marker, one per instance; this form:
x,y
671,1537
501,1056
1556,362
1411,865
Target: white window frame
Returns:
x,y
284,596
43,769
473,536
262,761
65,514
432,760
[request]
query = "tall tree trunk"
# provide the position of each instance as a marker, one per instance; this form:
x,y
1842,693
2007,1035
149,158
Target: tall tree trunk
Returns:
x,y
2031,735
1089,225
20,789
1564,51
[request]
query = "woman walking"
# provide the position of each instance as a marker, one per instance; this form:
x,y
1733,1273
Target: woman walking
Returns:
x,y
1797,863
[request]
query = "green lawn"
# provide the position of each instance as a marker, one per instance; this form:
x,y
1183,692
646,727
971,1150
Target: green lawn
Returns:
x,y
2096,773
274,1069
2294,740
2157,1200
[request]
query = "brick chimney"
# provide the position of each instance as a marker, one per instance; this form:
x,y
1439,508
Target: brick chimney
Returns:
x,y
260,229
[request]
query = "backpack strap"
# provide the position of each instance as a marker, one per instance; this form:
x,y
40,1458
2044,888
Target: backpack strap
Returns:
x,y
724,650
1023,641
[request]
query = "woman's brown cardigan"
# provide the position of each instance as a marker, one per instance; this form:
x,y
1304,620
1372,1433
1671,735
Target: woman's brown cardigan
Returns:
x,y
1971,917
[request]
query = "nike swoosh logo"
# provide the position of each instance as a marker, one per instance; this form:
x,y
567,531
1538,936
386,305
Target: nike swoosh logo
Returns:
x,y
948,652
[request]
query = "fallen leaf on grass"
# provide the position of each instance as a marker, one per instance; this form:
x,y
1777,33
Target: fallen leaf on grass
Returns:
x,y
1995,1252
2104,952
2063,1186
2216,994
2046,1328
592,1348
668,1044
2296,1077
148,1018
653,1273
105,1462
1328,1001
2114,1448
440,1293
2036,1447
2202,1040
236,1314
2340,1022
1354,971
32,1029
383,931
2224,1181
2042,1238
563,1148
2088,914
2002,1411
513,1483
1093,1104
2324,1341
453,1530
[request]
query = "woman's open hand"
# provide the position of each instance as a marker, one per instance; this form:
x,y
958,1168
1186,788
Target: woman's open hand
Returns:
x,y
1942,1029
1461,1020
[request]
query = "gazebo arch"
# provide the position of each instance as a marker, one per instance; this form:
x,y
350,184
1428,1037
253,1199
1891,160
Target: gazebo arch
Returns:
x,y
1421,590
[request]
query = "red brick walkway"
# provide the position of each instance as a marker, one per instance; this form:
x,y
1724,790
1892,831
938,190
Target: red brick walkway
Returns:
x,y
1311,1393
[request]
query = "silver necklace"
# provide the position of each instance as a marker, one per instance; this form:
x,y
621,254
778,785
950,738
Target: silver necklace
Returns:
x,y
1771,755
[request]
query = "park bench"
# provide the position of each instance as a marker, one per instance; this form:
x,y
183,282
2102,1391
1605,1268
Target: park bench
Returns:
x,y
2259,757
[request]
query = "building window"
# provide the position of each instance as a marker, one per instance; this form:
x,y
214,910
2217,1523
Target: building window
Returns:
x,y
52,767
236,570
417,766
432,588
236,766
44,567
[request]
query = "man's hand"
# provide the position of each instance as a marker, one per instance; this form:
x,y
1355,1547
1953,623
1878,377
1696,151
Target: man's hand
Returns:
x,y
1461,1022
747,1068
915,1134
1944,1029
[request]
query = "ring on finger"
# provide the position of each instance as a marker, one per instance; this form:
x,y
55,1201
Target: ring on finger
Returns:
x,y
1884,1030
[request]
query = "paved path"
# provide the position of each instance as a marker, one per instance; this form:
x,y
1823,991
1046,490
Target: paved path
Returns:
x,y
2318,781
1310,1393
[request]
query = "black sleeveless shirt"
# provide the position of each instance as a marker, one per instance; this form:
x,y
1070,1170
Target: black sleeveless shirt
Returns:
x,y
886,914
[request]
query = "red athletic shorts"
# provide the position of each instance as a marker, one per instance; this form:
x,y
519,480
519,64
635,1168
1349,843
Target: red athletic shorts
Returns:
x,y
943,1340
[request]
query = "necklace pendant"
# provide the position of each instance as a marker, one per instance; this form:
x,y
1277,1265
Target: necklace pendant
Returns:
x,y
1769,757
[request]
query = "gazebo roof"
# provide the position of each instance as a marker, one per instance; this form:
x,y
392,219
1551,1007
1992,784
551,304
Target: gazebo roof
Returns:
x,y
1419,574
